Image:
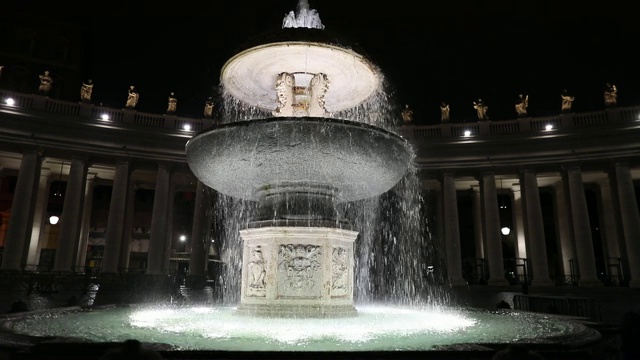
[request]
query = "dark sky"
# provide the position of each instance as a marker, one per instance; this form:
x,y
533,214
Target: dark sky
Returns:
x,y
457,51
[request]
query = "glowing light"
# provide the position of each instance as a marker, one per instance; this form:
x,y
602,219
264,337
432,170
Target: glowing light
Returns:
x,y
183,238
53,219
505,230
104,117
549,127
10,101
186,127
467,133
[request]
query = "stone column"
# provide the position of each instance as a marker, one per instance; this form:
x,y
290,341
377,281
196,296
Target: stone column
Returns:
x,y
518,220
200,236
566,246
39,218
159,220
582,228
609,218
71,219
115,222
125,246
492,235
452,230
478,229
630,220
169,237
22,211
86,221
537,254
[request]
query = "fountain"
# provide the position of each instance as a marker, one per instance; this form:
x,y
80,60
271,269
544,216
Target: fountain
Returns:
x,y
298,165
319,198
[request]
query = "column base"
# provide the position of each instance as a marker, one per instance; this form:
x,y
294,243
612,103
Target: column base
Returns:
x,y
634,283
497,282
590,283
542,282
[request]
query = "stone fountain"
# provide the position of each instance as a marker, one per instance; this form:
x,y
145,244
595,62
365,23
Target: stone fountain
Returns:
x,y
299,163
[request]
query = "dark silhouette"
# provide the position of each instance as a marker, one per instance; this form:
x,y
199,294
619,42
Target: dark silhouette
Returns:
x,y
517,351
630,335
503,305
18,306
131,350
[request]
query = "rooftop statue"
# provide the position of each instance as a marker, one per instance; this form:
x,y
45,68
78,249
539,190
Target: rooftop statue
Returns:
x,y
46,82
86,90
132,99
522,104
610,95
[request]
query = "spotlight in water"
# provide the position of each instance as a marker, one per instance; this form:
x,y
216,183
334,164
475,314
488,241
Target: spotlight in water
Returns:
x,y
549,127
186,127
467,133
9,101
104,117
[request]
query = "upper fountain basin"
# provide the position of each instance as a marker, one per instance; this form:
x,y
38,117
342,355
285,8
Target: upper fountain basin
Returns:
x,y
244,159
250,75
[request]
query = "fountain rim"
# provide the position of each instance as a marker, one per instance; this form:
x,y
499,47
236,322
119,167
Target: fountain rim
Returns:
x,y
346,91
306,119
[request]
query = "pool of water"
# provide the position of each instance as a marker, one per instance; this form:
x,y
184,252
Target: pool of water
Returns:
x,y
375,328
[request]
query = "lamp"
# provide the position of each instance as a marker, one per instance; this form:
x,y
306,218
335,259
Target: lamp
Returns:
x,y
54,218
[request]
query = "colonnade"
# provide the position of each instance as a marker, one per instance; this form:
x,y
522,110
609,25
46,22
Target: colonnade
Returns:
x,y
618,208
25,230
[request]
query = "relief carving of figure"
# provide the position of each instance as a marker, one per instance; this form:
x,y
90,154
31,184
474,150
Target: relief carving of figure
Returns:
x,y
257,272
522,104
318,89
481,109
339,271
132,99
46,82
567,101
86,90
284,95
610,95
444,112
173,103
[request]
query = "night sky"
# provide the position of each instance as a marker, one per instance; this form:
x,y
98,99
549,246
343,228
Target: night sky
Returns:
x,y
453,51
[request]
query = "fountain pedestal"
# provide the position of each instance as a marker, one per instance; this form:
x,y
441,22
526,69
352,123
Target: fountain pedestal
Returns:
x,y
297,271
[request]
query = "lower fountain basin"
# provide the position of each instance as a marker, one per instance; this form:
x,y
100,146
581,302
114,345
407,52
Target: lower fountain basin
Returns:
x,y
375,328
247,159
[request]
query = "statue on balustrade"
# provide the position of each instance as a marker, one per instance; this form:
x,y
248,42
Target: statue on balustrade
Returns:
x,y
132,99
208,108
407,114
481,109
173,103
46,83
610,95
444,112
567,101
522,104
86,90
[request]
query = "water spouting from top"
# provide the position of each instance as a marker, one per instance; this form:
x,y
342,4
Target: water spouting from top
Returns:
x,y
303,17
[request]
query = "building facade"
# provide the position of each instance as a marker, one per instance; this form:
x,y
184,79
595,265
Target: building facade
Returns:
x,y
563,185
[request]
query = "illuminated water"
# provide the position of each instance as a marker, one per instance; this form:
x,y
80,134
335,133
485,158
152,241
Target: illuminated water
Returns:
x,y
376,328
